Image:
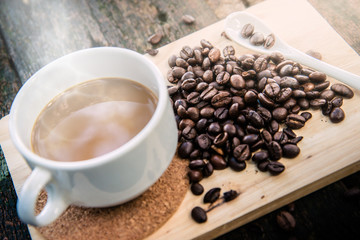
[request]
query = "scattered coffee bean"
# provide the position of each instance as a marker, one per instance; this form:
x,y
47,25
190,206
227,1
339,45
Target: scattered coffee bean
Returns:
x,y
230,195
197,188
152,52
199,214
212,195
236,165
155,38
275,168
337,115
342,90
290,150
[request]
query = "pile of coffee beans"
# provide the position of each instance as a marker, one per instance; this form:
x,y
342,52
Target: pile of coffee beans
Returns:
x,y
233,109
257,38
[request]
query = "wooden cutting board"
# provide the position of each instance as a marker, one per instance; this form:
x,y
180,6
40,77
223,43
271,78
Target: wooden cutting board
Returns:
x,y
329,151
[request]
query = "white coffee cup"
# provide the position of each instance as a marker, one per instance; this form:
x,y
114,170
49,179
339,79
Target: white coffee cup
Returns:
x,y
108,180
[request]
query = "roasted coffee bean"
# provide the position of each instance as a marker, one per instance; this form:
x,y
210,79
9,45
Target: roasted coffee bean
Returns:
x,y
327,94
275,151
221,139
322,86
228,50
247,30
250,139
266,101
295,140
188,75
260,156
242,152
201,125
193,113
197,164
283,63
280,137
306,115
257,39
208,170
193,98
203,141
250,97
198,56
185,149
297,93
326,108
286,221
342,90
195,176
266,136
255,119
206,44
221,99
230,195
214,55
234,110
230,129
212,195
273,127
337,115
189,133
207,112
302,79
317,77
199,215
263,166
295,121
290,150
269,41
289,132
196,154
197,188
265,114
303,103
186,52
252,130
314,54
208,93
337,101
286,70
237,81
221,113
272,90
218,162
181,63
275,168
198,71
317,103
279,114
223,78
208,76
172,60
155,38
260,64
172,90
214,128
201,86
206,64
285,94
178,72
236,165
289,82
290,103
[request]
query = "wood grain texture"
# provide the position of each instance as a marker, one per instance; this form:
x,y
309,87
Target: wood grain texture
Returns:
x,y
319,164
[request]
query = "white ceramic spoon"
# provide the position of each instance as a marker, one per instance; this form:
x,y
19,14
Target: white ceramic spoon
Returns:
x,y
234,23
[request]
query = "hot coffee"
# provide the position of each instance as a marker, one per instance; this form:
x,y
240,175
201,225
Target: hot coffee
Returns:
x,y
92,118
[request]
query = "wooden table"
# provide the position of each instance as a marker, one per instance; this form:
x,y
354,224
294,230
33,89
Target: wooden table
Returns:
x,y
33,33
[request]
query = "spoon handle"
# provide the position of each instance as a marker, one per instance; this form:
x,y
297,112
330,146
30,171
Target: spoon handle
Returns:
x,y
346,77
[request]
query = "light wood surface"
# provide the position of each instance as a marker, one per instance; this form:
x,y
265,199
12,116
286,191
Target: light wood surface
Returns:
x,y
328,151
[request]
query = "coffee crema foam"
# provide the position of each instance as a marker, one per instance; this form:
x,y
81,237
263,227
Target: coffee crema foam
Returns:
x,y
92,119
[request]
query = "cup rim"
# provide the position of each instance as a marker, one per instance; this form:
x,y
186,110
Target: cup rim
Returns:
x,y
107,157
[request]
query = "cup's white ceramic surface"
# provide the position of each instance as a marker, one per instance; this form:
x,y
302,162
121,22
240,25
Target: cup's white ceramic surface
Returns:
x,y
108,180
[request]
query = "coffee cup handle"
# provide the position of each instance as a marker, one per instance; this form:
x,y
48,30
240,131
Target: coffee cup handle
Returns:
x,y
56,203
